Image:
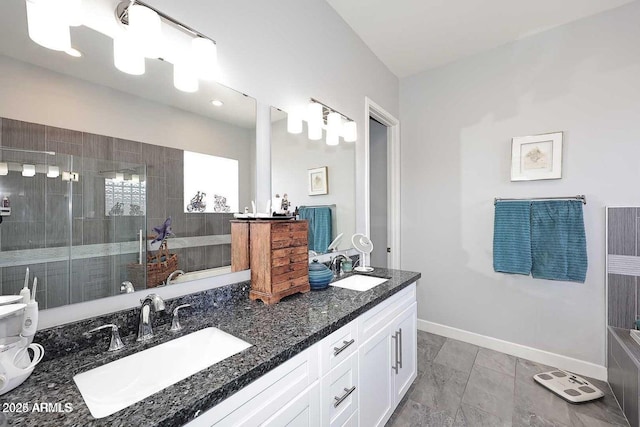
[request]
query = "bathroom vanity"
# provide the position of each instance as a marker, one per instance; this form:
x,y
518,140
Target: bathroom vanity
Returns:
x,y
332,357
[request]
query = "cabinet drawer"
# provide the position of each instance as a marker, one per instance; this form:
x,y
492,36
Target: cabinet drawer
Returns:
x,y
370,322
338,346
283,286
260,400
288,235
340,392
288,252
291,259
289,243
288,268
289,226
290,275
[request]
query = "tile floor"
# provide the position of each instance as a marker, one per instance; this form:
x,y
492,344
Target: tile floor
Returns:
x,y
463,385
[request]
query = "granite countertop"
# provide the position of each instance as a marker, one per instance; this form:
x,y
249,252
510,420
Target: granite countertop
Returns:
x,y
277,333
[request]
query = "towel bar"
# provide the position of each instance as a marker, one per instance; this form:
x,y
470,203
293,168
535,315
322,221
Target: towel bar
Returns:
x,y
580,197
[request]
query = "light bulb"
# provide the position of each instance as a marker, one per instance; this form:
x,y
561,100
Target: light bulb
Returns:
x,y
350,131
204,55
28,170
126,55
334,123
4,168
53,172
294,122
185,77
47,24
333,138
135,179
314,121
145,27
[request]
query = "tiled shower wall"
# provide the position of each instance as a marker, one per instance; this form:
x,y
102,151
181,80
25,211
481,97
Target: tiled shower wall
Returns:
x,y
40,213
623,266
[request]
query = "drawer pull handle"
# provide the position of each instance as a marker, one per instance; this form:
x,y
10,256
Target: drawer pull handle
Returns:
x,y
400,346
338,350
347,393
395,339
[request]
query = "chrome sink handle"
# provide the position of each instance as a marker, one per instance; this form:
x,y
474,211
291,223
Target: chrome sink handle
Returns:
x,y
175,321
116,342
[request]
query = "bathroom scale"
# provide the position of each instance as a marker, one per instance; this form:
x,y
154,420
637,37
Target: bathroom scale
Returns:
x,y
570,387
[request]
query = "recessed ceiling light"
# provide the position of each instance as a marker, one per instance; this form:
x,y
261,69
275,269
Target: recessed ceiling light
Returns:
x,y
73,52
217,103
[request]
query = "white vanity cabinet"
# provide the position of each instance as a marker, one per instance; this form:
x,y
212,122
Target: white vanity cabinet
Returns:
x,y
388,358
356,376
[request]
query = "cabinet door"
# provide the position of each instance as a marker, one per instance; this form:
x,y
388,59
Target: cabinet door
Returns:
x,y
303,411
405,328
375,379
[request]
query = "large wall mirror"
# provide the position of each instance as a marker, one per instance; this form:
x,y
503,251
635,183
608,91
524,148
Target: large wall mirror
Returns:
x,y
93,159
316,178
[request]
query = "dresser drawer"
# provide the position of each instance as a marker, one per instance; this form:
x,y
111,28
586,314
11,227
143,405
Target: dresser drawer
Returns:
x,y
288,235
279,278
287,268
283,286
290,243
288,252
286,227
338,346
340,393
291,259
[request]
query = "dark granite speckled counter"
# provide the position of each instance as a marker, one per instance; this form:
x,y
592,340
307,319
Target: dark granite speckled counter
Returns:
x,y
277,333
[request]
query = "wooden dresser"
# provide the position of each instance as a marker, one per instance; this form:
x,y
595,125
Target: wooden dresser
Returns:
x,y
279,259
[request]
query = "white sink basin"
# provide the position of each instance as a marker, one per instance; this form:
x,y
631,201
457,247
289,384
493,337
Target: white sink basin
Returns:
x,y
358,282
116,385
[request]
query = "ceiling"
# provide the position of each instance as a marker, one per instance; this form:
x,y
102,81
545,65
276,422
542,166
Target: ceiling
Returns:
x,y
96,66
411,36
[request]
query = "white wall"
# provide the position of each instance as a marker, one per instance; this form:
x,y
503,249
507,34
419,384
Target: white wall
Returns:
x,y
33,94
292,156
457,123
283,52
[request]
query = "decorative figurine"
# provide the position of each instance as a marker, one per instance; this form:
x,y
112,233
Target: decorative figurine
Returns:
x,y
220,204
197,203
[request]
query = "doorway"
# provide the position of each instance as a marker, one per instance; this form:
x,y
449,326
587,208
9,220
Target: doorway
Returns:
x,y
379,197
382,193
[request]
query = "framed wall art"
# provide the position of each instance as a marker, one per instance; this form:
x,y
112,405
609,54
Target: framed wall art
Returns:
x,y
536,157
318,183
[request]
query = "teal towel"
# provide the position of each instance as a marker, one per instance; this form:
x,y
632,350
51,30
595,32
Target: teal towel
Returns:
x,y
512,237
558,241
319,227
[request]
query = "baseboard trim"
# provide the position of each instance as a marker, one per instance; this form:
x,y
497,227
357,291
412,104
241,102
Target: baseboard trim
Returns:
x,y
578,366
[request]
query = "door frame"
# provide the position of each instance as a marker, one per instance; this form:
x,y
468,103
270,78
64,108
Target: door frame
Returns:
x,y
393,176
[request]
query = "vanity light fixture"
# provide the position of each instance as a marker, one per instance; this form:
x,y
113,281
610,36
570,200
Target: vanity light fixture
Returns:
x,y
314,121
337,124
28,170
126,55
350,131
217,103
4,168
145,30
48,23
294,122
334,128
135,179
53,172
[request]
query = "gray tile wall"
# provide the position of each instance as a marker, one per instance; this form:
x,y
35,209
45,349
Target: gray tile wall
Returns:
x,y
622,239
40,209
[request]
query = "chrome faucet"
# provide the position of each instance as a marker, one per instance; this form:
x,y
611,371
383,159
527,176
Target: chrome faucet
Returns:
x,y
336,264
145,330
173,275
127,287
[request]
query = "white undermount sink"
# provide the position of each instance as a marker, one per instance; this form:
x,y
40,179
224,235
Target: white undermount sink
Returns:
x,y
359,282
116,385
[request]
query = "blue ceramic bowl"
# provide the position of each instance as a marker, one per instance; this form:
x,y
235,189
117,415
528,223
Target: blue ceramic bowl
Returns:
x,y
319,275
